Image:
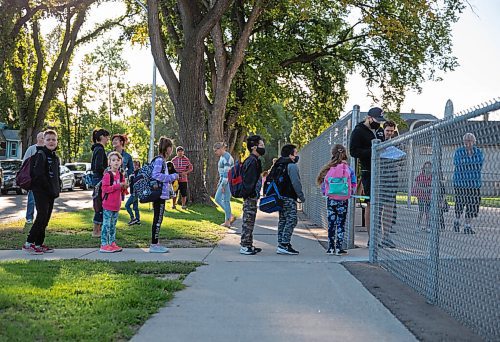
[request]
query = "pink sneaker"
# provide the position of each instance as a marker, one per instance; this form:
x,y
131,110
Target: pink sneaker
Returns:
x,y
115,247
32,249
46,249
106,249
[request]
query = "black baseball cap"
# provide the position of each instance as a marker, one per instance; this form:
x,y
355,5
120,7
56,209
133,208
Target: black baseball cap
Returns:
x,y
376,113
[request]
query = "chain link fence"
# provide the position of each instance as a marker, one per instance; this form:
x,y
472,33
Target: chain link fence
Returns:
x,y
436,211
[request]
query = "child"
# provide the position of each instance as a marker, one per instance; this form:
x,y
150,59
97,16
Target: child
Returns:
x,y
337,204
174,186
133,200
423,190
45,186
161,174
112,190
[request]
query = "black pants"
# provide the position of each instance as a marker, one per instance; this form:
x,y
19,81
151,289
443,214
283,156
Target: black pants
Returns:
x,y
44,205
158,209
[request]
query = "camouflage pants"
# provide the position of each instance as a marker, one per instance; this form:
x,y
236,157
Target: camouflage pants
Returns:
x,y
249,213
287,221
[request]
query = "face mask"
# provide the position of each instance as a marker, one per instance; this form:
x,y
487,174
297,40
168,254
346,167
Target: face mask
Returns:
x,y
374,125
261,151
296,160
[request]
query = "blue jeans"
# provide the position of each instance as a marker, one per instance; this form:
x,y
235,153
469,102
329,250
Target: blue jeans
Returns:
x,y
224,199
108,231
97,214
134,201
30,210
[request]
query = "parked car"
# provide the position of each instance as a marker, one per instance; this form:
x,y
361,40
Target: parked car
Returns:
x,y
66,178
9,169
79,170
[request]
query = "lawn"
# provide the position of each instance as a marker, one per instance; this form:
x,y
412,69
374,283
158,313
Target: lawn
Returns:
x,y
490,202
198,226
78,300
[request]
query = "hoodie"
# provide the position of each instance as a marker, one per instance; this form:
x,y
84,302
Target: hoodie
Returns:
x,y
99,161
45,172
361,144
291,187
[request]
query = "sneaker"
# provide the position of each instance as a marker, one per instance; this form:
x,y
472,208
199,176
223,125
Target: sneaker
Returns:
x,y
456,227
340,251
132,222
184,207
286,249
106,249
247,251
157,248
137,222
29,221
115,247
32,249
174,207
468,230
46,249
257,249
330,250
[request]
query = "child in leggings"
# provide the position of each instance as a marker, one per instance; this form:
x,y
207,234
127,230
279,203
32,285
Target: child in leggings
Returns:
x,y
161,174
337,200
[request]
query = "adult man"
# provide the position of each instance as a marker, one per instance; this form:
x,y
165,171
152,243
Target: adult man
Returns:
x,y
252,182
468,161
290,188
183,167
30,210
361,147
119,141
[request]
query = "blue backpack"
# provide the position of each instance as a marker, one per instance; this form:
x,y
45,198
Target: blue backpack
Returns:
x,y
146,188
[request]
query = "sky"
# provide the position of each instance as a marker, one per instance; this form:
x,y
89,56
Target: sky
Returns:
x,y
476,80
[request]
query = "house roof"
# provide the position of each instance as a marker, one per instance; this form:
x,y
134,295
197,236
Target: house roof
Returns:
x,y
417,116
11,134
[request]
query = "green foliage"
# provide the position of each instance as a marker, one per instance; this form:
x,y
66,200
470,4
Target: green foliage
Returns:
x,y
81,300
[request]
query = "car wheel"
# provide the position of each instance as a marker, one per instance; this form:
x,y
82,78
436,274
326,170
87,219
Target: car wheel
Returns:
x,y
85,186
60,187
4,192
19,191
72,187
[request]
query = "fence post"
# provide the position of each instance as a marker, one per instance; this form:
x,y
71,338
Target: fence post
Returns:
x,y
351,208
374,205
435,219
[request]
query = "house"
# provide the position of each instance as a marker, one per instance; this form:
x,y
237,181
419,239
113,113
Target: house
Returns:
x,y
10,143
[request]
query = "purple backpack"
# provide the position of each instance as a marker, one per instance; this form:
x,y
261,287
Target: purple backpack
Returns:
x,y
23,176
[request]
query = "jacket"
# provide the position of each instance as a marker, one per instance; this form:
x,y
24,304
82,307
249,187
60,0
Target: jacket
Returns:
x,y
251,173
291,187
360,145
99,161
113,200
468,168
164,177
45,172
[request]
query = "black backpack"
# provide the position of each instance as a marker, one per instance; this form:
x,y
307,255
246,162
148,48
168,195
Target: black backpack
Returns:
x,y
97,192
279,176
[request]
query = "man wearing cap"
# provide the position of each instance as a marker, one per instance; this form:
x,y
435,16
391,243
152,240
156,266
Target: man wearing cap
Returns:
x,y
183,167
361,147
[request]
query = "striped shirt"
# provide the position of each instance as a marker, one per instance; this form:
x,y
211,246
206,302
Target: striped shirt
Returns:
x,y
181,165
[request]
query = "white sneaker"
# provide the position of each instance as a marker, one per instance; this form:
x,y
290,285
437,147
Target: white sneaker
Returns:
x,y
157,248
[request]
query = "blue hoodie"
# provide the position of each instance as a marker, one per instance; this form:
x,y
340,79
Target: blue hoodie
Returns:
x,y
468,168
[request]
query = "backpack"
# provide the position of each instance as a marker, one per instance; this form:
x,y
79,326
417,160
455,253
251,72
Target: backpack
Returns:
x,y
278,175
235,180
146,188
97,192
271,202
23,176
337,183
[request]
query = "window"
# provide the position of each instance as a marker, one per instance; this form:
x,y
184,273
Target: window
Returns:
x,y
3,148
13,149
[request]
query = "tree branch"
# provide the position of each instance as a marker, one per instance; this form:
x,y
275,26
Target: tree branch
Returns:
x,y
171,28
214,15
35,92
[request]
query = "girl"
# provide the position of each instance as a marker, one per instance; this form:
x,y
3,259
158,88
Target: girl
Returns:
x,y
133,200
223,194
113,186
45,186
160,173
423,190
100,138
337,204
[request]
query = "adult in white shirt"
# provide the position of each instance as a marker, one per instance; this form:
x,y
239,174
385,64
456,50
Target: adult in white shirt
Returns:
x,y
30,210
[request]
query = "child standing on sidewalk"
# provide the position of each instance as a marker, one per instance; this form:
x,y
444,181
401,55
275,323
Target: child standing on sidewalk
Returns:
x,y
44,173
337,169
423,191
113,186
133,200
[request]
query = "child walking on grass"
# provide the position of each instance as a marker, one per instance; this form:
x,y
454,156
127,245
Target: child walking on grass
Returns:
x,y
338,182
113,186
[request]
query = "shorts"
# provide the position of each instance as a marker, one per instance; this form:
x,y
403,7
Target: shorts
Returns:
x,y
183,189
468,198
366,180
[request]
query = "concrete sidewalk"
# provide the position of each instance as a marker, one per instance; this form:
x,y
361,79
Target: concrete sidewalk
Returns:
x,y
270,297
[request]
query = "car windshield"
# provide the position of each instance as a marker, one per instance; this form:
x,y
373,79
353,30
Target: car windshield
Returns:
x,y
11,165
76,167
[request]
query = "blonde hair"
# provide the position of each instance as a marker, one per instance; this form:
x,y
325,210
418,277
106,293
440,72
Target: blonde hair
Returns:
x,y
339,154
114,154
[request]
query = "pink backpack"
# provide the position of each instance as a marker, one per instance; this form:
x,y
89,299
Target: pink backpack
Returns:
x,y
338,183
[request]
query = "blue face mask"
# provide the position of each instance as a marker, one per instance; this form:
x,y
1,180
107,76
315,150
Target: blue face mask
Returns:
x,y
296,160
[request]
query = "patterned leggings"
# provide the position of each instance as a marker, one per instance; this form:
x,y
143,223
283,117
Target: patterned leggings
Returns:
x,y
337,213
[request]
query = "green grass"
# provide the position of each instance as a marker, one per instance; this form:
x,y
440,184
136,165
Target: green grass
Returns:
x,y
198,226
77,300
491,202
